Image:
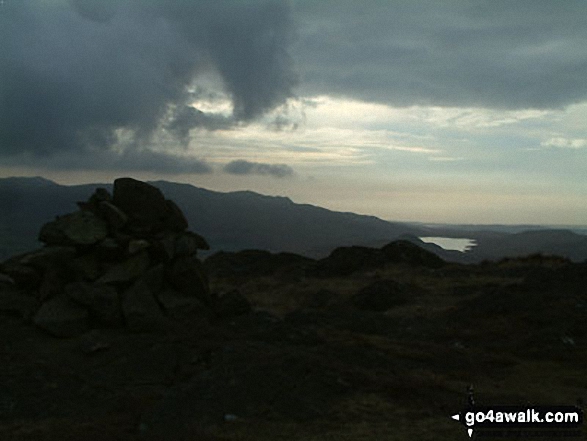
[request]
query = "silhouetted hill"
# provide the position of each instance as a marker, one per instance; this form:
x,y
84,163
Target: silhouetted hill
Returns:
x,y
244,220
554,242
229,221
247,220
26,204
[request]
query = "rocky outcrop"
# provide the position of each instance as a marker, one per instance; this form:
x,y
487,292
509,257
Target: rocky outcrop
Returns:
x,y
344,261
124,259
79,228
146,207
404,251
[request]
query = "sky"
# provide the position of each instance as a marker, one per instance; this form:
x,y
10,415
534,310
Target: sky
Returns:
x,y
438,112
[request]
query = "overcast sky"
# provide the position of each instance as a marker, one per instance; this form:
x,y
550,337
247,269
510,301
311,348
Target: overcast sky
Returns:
x,y
435,111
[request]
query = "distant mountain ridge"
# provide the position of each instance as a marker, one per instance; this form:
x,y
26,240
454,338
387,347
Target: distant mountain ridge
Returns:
x,y
229,221
247,220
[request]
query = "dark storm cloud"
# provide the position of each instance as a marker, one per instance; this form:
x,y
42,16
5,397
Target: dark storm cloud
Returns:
x,y
108,160
492,53
74,72
147,160
186,118
241,167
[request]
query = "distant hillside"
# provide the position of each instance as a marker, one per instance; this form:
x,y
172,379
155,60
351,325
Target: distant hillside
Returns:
x,y
246,220
26,204
229,221
555,242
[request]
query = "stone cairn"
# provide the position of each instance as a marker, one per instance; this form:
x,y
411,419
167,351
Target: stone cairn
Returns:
x,y
121,260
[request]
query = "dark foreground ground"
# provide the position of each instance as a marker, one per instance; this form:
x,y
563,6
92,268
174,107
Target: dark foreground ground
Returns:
x,y
313,360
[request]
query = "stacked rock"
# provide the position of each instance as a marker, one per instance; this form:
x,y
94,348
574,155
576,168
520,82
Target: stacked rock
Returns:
x,y
120,260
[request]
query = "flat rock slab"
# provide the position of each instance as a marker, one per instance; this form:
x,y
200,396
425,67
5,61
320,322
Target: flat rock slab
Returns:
x,y
79,228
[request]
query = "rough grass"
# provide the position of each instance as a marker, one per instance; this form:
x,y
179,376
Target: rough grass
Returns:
x,y
397,375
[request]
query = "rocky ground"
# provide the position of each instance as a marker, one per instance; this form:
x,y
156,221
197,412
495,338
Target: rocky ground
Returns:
x,y
366,344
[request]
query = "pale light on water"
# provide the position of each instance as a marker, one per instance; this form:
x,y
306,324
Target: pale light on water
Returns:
x,y
451,243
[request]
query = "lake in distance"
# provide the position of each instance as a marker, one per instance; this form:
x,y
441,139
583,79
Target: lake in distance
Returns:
x,y
451,243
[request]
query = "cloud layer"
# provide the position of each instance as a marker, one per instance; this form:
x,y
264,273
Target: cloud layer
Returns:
x,y
242,167
74,74
497,54
107,160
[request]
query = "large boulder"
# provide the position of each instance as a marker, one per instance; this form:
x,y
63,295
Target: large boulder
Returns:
x,y
144,204
146,207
